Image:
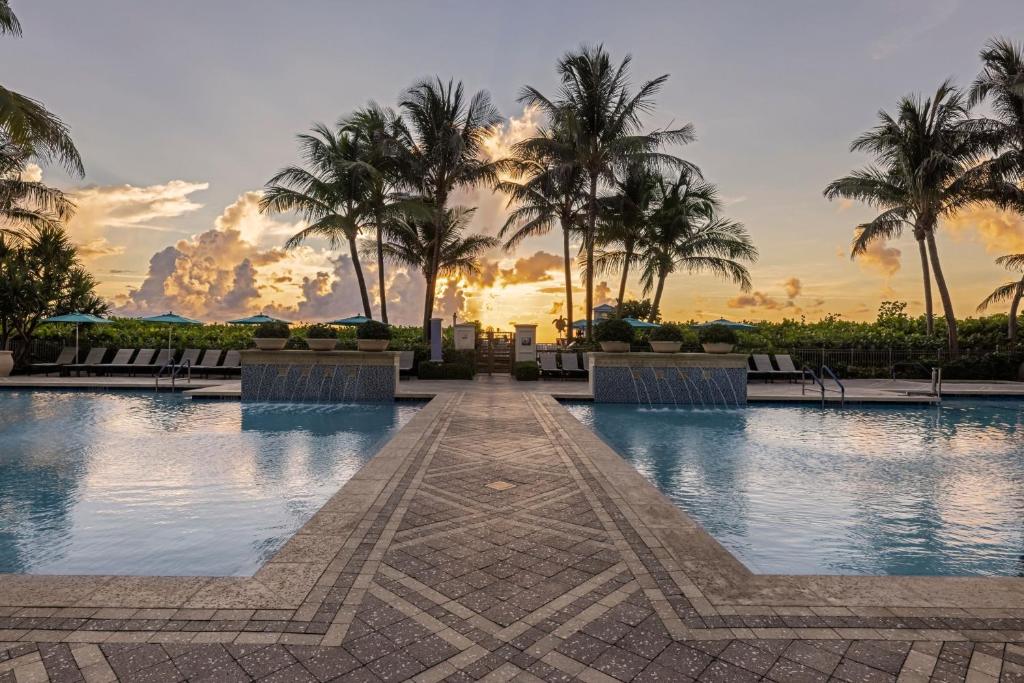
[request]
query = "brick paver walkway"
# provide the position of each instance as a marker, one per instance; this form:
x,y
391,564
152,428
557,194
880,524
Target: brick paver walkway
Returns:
x,y
503,542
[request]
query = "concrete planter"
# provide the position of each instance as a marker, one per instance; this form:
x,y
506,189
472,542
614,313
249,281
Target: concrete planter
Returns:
x,y
6,363
269,344
614,347
717,347
372,344
323,344
665,346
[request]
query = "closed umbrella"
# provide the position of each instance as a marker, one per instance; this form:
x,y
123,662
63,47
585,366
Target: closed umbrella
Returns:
x,y
258,320
77,319
170,319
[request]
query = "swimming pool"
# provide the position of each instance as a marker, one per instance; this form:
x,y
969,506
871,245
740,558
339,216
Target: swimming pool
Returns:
x,y
790,489
156,484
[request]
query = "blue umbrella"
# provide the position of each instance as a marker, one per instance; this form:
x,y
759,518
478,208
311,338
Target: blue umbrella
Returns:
x,y
258,320
726,323
353,320
633,322
78,319
170,318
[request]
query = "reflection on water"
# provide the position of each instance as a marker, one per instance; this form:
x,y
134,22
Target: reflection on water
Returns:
x,y
129,483
862,490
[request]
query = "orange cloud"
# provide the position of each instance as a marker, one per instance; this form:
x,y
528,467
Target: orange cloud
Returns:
x,y
793,287
758,300
880,258
1002,232
532,268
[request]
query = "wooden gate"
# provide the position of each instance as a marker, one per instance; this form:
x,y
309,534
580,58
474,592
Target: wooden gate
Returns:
x,y
494,352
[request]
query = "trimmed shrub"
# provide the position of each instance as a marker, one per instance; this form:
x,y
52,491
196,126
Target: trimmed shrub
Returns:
x,y
272,331
717,334
321,332
526,371
614,330
667,332
373,329
432,370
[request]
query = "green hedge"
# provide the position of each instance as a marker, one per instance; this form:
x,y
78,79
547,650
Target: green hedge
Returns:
x,y
526,371
431,370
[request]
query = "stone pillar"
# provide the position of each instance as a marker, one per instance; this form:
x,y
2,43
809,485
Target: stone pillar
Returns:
x,y
465,336
436,355
525,349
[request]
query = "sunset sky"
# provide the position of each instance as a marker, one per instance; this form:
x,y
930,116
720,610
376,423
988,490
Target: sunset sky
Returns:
x,y
182,110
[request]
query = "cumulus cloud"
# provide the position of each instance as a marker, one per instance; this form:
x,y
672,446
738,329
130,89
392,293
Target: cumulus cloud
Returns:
x,y
97,248
533,268
1001,232
32,173
757,300
881,258
793,287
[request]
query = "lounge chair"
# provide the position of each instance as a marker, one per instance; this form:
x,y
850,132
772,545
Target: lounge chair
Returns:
x,y
163,357
549,364
406,361
208,362
571,364
66,356
94,358
763,368
190,357
232,364
120,360
786,367
143,360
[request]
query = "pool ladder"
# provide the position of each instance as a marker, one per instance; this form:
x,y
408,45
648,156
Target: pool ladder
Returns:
x,y
841,390
173,370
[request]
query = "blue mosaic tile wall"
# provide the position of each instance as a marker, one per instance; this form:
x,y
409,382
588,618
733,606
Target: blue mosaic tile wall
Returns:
x,y
671,385
318,383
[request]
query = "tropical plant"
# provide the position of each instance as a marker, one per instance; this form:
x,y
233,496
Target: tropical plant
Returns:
x,y
685,233
926,170
599,122
717,334
667,332
1011,291
526,371
373,329
641,310
27,124
446,134
614,330
1001,83
413,238
553,190
330,193
27,203
383,145
272,330
41,276
624,216
321,331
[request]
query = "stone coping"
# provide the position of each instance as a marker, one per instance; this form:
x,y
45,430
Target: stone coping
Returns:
x,y
674,360
304,357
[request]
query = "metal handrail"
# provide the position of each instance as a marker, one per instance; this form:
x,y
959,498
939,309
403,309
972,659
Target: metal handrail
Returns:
x,y
842,389
804,372
175,369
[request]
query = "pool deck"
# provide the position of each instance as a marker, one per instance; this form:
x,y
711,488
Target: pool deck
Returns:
x,y
496,538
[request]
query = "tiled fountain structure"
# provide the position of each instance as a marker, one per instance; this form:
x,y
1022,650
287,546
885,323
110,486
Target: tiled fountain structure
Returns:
x,y
701,379
319,376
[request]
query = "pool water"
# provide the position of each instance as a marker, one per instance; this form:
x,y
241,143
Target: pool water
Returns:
x,y
155,484
896,490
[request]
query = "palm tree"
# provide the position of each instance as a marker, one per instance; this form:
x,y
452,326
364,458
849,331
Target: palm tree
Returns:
x,y
24,203
382,139
1011,291
412,242
553,190
1002,83
26,123
601,119
328,194
624,219
446,133
927,170
685,233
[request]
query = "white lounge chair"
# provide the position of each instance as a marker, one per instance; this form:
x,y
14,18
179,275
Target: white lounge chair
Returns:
x,y
786,367
406,361
549,364
571,363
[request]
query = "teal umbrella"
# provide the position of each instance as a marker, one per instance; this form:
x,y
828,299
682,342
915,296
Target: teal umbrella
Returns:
x,y
258,320
726,323
78,319
170,319
353,320
633,322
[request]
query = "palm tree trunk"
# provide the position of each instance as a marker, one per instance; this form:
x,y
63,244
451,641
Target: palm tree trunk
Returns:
x,y
354,250
380,269
428,301
1011,325
441,200
591,229
625,275
929,314
567,255
947,302
656,304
